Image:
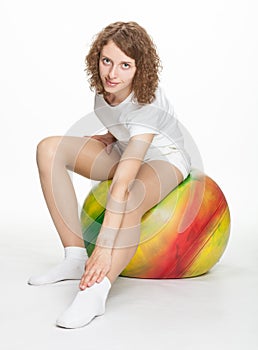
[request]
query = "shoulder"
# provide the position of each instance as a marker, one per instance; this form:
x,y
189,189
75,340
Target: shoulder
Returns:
x,y
99,101
161,99
160,102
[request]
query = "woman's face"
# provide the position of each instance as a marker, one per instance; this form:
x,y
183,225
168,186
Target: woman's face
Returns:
x,y
116,71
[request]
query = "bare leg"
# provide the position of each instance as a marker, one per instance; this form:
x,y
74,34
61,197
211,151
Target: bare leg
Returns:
x,y
151,186
84,156
55,155
154,181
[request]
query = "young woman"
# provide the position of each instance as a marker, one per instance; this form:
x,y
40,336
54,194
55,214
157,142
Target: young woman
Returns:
x,y
142,152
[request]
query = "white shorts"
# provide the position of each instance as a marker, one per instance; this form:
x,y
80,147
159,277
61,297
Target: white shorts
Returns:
x,y
178,158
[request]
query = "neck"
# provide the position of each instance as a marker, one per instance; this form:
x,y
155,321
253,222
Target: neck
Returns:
x,y
114,99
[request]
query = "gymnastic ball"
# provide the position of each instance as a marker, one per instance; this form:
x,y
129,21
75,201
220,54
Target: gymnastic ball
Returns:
x,y
184,235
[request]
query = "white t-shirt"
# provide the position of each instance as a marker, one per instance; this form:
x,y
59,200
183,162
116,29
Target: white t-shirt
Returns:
x,y
130,118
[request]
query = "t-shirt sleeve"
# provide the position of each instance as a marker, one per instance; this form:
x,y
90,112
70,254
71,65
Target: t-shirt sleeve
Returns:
x,y
138,129
147,119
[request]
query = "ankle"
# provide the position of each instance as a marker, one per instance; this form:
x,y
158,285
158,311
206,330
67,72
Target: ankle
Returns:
x,y
75,252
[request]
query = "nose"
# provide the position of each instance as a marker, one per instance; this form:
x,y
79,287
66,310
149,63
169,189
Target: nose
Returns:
x,y
112,74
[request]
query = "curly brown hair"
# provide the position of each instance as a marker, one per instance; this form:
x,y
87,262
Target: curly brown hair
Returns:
x,y
135,42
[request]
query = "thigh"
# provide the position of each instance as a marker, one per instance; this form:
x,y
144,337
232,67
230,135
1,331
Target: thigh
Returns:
x,y
87,157
154,181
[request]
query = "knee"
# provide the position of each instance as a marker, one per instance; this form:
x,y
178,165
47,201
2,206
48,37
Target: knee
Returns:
x,y
136,198
46,151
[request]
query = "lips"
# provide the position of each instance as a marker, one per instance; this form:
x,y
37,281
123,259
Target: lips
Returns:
x,y
111,83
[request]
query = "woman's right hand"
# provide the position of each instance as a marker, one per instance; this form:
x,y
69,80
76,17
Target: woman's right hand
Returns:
x,y
108,140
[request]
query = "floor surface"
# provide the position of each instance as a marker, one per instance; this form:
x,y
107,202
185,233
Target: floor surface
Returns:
x,y
218,310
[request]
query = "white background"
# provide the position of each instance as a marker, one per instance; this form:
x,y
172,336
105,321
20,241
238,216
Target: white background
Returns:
x,y
209,52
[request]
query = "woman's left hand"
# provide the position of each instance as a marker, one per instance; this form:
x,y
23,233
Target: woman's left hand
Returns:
x,y
96,267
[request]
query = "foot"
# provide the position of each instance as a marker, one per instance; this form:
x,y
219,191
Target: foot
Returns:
x,y
71,268
87,305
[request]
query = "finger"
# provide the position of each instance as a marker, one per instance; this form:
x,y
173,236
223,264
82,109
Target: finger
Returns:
x,y
109,148
93,279
90,269
85,279
99,138
96,137
82,284
81,281
101,276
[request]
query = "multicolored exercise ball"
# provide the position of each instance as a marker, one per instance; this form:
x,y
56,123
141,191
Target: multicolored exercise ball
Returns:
x,y
184,235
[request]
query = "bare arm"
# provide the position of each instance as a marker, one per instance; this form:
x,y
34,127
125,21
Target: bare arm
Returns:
x,y
99,263
126,173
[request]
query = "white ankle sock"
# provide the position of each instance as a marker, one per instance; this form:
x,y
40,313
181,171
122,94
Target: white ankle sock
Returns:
x,y
87,304
71,268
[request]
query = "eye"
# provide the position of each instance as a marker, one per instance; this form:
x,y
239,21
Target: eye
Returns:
x,y
106,60
125,65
